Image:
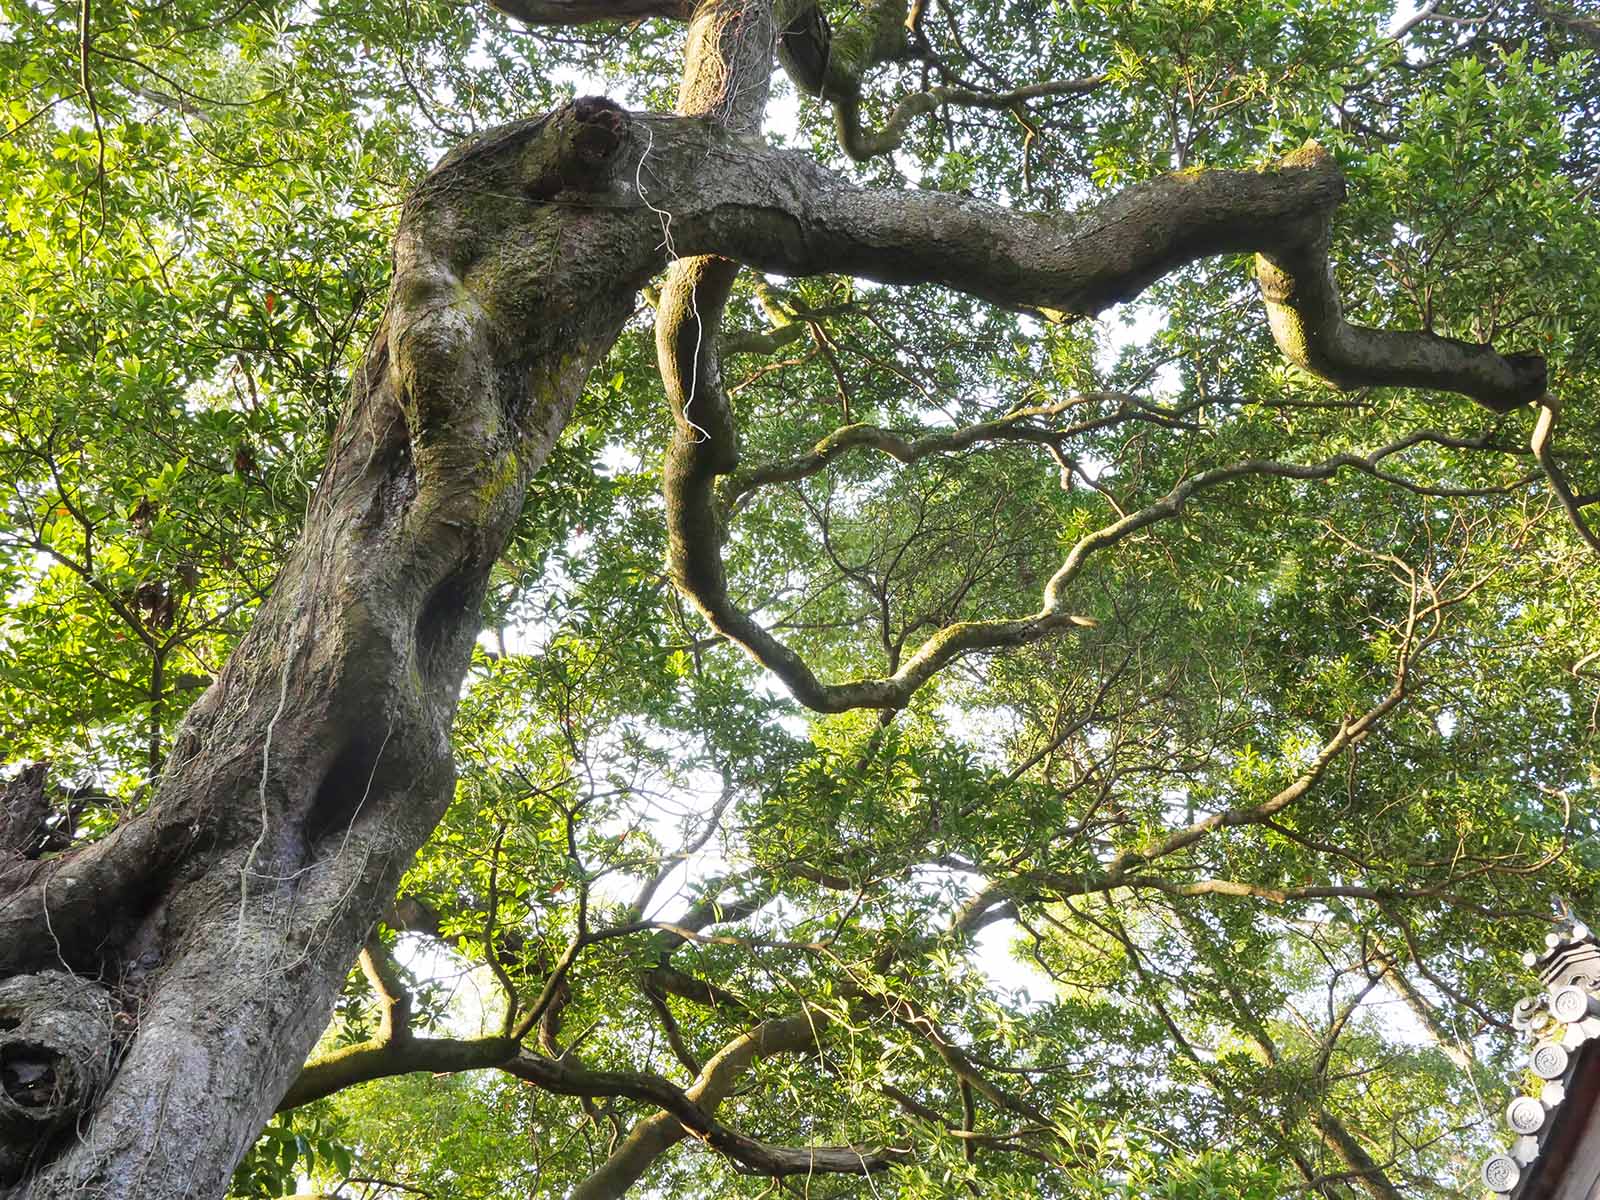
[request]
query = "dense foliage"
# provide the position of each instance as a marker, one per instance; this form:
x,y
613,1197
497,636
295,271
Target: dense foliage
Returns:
x,y
1220,894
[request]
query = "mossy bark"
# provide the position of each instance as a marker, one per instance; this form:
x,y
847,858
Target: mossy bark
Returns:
x,y
302,783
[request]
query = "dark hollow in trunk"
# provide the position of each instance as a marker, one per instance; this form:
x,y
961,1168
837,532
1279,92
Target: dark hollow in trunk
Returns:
x,y
58,1046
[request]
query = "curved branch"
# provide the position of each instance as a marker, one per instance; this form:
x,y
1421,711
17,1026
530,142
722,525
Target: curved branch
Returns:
x,y
695,558
748,1155
780,212
1539,443
366,1061
588,12
1013,427
1308,324
789,323
371,1060
861,145
786,215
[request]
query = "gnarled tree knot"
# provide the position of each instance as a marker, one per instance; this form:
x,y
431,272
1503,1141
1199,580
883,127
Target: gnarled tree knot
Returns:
x,y
600,127
57,1051
581,138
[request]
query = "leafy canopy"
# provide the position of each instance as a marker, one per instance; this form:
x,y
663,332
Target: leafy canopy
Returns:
x,y
197,206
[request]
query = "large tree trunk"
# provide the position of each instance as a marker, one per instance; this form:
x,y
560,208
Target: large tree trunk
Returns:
x,y
223,921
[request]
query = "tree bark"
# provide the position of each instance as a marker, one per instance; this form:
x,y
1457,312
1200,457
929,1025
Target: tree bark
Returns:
x,y
306,778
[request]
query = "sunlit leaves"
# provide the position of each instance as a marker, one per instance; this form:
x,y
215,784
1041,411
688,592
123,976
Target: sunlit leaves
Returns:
x,y
191,268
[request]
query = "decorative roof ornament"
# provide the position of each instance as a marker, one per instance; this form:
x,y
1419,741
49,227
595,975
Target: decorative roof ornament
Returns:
x,y
1561,1115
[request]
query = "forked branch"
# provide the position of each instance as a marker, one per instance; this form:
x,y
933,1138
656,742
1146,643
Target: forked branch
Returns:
x,y
1080,264
697,566
682,1112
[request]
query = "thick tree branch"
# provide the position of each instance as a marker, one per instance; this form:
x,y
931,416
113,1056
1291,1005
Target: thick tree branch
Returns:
x,y
748,1154
588,12
690,1109
798,219
303,782
1456,1049
1307,319
781,212
1369,1176
366,1061
61,910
